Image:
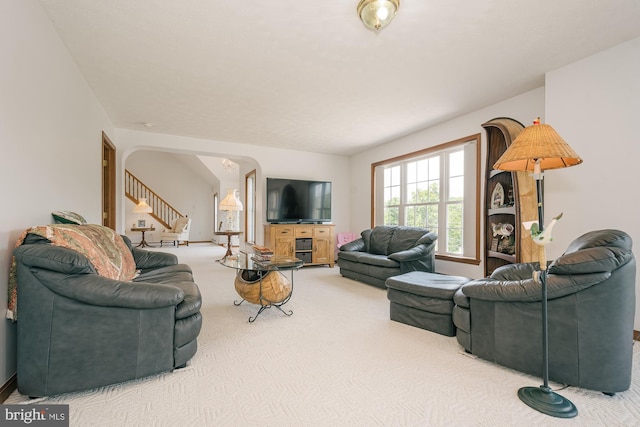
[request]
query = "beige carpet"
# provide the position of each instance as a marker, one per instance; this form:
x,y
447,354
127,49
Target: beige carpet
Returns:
x,y
338,361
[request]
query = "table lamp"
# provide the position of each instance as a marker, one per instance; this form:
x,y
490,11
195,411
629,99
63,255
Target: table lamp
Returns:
x,y
142,206
538,148
230,204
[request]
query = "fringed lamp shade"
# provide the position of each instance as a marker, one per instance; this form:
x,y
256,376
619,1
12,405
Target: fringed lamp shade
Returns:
x,y
538,142
231,202
142,206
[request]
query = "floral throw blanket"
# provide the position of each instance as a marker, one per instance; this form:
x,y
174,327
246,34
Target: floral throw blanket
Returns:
x,y
104,248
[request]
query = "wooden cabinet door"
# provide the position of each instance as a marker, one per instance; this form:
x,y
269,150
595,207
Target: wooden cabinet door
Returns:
x,y
322,251
284,241
284,246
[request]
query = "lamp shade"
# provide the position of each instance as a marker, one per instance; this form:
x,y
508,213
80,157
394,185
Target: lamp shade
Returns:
x,y
377,14
231,202
142,206
537,142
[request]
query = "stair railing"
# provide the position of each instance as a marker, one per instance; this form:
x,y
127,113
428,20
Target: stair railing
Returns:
x,y
163,212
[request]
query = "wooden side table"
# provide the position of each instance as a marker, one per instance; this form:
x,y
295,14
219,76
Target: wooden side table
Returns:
x,y
229,234
143,243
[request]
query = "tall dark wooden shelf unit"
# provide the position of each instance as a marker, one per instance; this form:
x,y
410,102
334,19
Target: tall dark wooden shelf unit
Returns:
x,y
510,199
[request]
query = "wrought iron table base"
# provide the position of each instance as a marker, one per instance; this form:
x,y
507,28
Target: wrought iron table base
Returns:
x,y
269,304
263,306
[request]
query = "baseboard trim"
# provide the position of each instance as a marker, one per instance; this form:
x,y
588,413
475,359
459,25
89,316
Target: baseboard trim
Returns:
x,y
9,387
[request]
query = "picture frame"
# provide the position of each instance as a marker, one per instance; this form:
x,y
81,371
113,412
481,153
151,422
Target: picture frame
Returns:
x,y
142,223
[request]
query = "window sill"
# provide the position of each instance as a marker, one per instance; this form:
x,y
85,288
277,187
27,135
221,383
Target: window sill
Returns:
x,y
460,259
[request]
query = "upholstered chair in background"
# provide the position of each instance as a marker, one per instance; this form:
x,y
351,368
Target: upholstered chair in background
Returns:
x,y
179,232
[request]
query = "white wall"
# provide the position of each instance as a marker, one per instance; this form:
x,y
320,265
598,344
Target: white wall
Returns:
x,y
594,104
524,108
271,162
227,179
179,186
50,138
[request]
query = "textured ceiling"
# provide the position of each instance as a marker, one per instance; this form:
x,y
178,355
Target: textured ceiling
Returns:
x,y
308,75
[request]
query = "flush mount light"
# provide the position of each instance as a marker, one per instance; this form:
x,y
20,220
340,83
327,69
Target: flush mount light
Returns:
x,y
377,14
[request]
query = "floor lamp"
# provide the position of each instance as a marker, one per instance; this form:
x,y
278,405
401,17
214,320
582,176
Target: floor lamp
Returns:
x,y
538,148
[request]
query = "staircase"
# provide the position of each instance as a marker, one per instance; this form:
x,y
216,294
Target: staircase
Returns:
x,y
135,189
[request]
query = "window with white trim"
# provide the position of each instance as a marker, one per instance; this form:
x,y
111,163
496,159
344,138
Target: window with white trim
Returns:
x,y
436,188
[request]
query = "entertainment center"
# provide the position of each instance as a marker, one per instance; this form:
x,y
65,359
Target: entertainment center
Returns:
x,y
298,216
312,243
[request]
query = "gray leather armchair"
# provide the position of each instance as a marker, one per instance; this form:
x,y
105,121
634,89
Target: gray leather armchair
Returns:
x,y
78,330
591,309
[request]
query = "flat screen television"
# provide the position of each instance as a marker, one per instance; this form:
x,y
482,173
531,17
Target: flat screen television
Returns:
x,y
298,201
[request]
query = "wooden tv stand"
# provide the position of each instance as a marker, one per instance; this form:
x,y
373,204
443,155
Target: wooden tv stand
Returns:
x,y
312,243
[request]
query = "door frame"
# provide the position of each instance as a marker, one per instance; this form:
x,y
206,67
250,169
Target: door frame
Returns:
x,y
108,182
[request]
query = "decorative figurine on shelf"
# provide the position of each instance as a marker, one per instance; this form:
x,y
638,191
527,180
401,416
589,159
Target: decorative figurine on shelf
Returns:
x,y
506,243
502,230
510,200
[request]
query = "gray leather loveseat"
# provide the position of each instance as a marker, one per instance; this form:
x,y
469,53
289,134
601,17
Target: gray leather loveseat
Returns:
x,y
591,309
385,251
78,330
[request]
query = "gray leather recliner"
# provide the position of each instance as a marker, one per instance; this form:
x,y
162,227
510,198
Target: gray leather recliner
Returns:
x,y
591,309
78,330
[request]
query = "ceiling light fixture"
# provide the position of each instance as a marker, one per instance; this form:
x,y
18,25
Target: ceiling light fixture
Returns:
x,y
377,14
229,166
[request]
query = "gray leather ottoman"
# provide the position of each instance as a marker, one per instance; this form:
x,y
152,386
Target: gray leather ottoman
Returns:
x,y
424,300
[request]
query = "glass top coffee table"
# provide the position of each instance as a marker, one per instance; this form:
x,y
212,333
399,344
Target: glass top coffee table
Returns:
x,y
262,282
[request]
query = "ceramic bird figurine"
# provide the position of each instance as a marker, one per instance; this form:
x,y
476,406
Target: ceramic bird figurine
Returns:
x,y
543,238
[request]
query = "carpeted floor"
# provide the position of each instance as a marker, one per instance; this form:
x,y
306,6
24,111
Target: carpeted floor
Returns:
x,y
337,361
